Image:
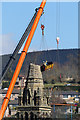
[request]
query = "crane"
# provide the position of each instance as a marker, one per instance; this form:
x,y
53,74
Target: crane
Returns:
x,y
46,65
22,57
13,56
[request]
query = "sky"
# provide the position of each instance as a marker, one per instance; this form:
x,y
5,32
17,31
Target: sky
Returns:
x,y
60,19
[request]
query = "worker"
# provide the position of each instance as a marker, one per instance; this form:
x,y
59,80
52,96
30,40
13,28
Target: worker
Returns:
x,y
45,63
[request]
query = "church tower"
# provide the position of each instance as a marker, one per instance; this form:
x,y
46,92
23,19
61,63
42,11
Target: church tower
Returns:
x,y
34,102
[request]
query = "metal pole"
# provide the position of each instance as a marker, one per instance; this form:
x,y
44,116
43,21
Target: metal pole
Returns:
x,y
54,115
54,108
71,112
65,112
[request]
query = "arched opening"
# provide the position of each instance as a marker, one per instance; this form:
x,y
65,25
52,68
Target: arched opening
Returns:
x,y
25,96
26,116
35,97
18,115
29,97
31,116
35,117
38,90
21,117
47,100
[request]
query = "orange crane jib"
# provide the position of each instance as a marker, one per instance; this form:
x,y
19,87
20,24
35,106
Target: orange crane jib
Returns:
x,y
20,62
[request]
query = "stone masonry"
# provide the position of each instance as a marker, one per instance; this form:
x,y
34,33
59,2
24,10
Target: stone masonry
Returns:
x,y
34,100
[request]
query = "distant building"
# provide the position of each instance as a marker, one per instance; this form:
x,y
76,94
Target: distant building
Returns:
x,y
68,96
20,82
68,80
19,85
13,100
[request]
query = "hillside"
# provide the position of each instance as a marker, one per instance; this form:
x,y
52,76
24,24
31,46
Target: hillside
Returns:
x,y
62,56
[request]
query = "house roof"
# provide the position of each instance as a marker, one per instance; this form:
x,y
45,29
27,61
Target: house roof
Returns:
x,y
15,91
13,102
67,92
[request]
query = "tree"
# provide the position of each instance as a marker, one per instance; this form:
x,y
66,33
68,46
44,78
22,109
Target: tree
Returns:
x,y
7,78
9,75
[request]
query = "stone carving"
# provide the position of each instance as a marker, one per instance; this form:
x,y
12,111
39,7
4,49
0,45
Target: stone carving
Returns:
x,y
34,100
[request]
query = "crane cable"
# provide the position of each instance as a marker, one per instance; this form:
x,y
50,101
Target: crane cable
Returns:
x,y
57,18
58,32
44,45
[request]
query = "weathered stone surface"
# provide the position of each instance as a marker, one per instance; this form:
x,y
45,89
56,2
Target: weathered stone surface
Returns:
x,y
34,95
34,72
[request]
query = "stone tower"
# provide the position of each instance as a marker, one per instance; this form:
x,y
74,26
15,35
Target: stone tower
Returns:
x,y
33,103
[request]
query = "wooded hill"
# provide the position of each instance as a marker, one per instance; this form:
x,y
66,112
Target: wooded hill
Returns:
x,y
66,62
